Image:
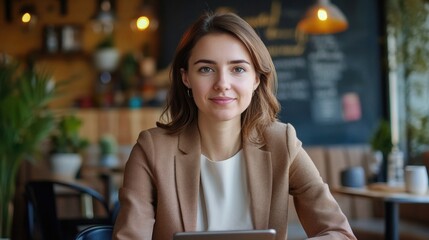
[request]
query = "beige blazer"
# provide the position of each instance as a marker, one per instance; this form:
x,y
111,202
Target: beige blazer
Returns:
x,y
162,176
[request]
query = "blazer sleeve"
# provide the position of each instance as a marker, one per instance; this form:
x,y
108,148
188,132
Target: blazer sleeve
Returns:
x,y
318,211
137,195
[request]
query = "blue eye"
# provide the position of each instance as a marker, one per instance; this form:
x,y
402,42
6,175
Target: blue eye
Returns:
x,y
239,70
205,69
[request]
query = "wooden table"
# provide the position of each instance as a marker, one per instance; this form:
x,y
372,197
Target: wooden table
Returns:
x,y
391,197
107,175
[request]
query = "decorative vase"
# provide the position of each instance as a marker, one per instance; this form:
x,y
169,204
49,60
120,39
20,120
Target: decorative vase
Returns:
x,y
65,165
106,59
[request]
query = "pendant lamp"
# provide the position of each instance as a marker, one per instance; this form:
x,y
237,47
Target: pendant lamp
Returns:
x,y
146,17
27,17
323,18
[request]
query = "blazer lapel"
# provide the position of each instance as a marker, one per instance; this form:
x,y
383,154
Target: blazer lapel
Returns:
x,y
187,168
259,175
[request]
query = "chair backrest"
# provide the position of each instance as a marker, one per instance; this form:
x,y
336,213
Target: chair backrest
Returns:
x,y
115,211
96,232
43,219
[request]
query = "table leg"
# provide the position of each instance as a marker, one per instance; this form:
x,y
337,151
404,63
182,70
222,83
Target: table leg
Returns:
x,y
391,230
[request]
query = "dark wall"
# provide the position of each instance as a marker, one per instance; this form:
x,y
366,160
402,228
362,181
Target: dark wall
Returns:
x,y
329,85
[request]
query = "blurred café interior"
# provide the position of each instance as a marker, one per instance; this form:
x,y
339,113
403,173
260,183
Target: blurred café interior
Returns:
x,y
352,80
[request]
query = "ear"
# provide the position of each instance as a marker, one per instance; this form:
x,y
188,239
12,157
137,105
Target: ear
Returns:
x,y
185,79
257,82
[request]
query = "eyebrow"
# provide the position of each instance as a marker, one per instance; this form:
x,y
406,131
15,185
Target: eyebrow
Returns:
x,y
213,62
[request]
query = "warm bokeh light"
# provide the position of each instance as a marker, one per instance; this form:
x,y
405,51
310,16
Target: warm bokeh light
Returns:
x,y
26,18
323,18
142,23
322,14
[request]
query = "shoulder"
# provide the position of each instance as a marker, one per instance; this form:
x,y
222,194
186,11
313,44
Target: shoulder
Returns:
x,y
157,131
153,146
155,134
280,134
280,130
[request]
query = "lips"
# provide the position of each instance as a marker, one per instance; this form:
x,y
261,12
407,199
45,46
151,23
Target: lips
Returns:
x,y
222,100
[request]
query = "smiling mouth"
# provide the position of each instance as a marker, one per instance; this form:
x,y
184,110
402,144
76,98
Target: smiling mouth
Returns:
x,y
222,100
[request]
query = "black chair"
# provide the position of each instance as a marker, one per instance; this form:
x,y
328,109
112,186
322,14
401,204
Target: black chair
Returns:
x,y
44,221
115,211
98,232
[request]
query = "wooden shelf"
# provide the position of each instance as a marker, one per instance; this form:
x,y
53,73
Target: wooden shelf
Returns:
x,y
72,55
125,124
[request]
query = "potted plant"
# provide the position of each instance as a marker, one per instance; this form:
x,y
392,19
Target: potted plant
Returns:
x,y
106,56
381,146
25,121
67,146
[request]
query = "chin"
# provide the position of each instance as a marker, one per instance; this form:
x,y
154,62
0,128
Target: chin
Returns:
x,y
227,116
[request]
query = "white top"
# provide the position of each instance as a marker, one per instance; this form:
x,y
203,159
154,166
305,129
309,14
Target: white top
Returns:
x,y
224,200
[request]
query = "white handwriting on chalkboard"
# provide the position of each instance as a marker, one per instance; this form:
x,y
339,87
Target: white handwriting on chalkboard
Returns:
x,y
270,23
326,63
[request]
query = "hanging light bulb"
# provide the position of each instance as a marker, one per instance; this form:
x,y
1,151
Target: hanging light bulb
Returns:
x,y
322,14
146,18
28,16
323,18
142,23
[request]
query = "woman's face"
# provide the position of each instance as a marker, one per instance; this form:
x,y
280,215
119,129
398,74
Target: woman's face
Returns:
x,y
221,76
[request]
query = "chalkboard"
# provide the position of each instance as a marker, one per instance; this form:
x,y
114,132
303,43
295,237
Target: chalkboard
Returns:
x,y
329,85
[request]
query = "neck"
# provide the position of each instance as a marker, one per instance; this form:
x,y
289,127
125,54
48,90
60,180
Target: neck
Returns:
x,y
220,141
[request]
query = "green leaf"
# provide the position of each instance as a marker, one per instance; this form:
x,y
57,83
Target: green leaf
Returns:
x,y
25,121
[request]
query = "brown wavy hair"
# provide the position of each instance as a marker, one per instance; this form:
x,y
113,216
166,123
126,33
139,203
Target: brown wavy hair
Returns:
x,y
181,110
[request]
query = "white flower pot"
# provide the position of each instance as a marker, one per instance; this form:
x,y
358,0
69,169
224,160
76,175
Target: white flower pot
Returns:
x,y
106,59
66,165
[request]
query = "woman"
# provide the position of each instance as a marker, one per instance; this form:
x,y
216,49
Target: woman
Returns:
x,y
221,160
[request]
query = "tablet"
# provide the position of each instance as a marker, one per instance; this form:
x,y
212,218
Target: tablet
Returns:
x,y
266,234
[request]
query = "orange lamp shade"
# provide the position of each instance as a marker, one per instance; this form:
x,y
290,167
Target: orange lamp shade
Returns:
x,y
323,18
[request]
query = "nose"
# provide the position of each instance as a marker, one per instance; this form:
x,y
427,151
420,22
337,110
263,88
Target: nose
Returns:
x,y
223,81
